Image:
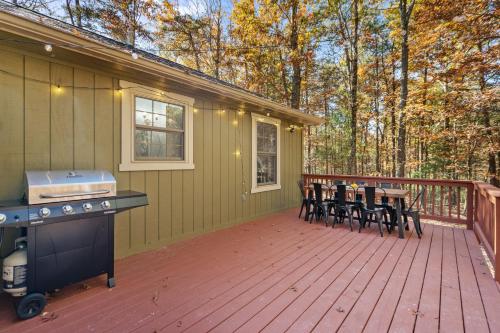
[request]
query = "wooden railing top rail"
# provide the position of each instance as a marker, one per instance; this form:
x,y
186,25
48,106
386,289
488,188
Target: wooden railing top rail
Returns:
x,y
444,182
486,188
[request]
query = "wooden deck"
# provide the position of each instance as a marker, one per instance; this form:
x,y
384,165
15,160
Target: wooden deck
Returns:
x,y
281,274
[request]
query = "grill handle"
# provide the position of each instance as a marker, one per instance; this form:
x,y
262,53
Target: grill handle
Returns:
x,y
72,194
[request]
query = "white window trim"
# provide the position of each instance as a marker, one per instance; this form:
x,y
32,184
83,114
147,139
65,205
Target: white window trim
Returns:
x,y
128,162
262,188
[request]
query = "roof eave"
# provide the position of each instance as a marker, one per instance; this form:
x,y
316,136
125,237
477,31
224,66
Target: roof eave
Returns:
x,y
93,48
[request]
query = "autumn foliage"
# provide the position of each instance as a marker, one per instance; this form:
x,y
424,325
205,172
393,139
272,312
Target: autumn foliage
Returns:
x,y
407,87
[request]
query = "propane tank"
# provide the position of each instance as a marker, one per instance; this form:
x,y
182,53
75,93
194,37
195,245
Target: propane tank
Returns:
x,y
15,269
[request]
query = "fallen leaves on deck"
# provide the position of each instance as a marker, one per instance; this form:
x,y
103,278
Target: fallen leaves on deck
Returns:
x,y
48,316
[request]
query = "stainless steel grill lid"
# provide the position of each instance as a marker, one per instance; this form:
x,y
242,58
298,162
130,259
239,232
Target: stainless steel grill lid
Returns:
x,y
63,185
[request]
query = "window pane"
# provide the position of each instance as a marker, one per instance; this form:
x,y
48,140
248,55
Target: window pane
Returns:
x,y
159,121
143,118
175,116
266,138
142,143
175,145
159,107
266,169
158,145
143,104
267,144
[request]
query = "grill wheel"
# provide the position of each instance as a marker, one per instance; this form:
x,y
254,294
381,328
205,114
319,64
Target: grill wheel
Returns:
x,y
30,305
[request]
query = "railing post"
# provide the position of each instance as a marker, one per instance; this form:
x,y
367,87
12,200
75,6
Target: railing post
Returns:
x,y
470,206
496,226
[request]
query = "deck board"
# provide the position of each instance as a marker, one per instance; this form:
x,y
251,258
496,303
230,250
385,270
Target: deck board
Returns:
x,y
427,319
451,305
280,274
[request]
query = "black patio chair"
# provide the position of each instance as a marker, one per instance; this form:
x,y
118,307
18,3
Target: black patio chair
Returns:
x,y
322,208
307,200
384,203
357,204
414,212
341,207
370,209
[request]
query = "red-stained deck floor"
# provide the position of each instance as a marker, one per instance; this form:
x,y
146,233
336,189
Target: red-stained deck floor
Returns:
x,y
280,274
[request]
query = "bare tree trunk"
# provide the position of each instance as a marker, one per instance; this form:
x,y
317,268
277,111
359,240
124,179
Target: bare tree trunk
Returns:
x,y
377,114
393,121
195,50
354,90
296,62
79,12
327,135
492,166
70,11
132,23
405,14
422,141
284,79
309,147
218,41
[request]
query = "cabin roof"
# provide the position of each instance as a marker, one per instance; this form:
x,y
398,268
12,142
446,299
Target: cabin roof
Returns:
x,y
42,29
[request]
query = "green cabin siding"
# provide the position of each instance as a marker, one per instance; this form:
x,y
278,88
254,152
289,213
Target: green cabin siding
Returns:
x,y
78,127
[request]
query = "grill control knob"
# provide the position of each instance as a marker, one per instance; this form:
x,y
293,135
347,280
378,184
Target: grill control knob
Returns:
x,y
105,204
87,206
44,212
67,209
3,218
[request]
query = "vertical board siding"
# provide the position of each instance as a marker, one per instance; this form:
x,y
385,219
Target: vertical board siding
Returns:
x,y
61,117
207,162
78,125
11,124
198,185
36,114
84,119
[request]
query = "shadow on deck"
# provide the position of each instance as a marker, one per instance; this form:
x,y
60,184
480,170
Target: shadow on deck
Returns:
x,y
280,274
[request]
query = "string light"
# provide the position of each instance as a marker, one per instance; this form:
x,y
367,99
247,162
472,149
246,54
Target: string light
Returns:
x,y
120,90
237,153
268,114
135,56
195,110
235,122
48,47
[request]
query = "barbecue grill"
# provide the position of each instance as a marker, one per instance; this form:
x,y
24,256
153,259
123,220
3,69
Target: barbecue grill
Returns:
x,y
66,220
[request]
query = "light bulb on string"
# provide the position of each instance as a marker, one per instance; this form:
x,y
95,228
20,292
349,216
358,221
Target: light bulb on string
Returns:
x,y
48,48
134,55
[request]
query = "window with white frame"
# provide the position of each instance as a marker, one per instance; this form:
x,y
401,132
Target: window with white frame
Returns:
x,y
265,154
157,129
